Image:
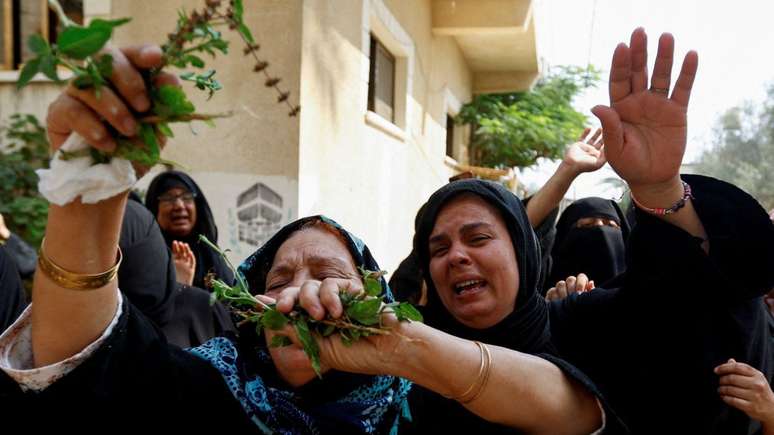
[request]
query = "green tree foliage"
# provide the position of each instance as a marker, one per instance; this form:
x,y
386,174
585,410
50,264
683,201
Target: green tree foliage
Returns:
x,y
743,149
515,129
24,150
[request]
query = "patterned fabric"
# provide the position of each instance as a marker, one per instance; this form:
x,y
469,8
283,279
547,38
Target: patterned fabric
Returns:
x,y
340,403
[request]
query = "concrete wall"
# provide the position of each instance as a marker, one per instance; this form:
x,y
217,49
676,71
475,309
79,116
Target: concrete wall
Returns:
x,y
259,143
366,175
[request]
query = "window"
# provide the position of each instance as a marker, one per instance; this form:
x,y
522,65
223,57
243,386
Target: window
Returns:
x,y
22,18
381,81
450,137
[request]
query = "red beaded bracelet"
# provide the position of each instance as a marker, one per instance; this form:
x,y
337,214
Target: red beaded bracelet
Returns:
x,y
665,211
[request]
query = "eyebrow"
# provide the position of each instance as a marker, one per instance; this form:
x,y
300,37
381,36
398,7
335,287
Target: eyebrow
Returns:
x,y
463,229
316,261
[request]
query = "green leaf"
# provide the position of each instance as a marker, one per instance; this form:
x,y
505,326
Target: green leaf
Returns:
x,y
171,101
308,343
28,72
366,311
148,135
48,67
274,320
165,130
373,287
109,24
405,311
105,65
280,341
195,61
245,31
81,42
38,45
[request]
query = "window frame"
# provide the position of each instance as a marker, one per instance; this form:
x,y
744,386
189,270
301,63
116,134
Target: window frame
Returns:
x,y
378,48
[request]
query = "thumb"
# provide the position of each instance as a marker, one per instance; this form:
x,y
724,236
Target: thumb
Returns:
x,y
612,129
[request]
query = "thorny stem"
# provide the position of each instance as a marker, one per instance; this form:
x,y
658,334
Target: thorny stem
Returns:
x,y
155,119
265,72
238,275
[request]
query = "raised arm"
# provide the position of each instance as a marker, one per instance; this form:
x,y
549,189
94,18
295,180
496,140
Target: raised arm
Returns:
x,y
581,156
645,129
83,238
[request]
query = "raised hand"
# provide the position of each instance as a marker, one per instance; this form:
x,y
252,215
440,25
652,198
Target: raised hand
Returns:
x,y
645,128
87,112
586,155
185,262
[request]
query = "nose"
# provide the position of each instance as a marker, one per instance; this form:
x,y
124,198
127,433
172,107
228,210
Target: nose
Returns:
x,y
599,222
458,255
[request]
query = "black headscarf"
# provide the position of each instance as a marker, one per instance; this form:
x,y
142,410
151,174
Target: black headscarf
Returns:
x,y
147,278
207,260
526,328
599,252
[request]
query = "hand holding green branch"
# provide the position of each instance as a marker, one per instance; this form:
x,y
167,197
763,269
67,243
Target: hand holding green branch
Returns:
x,y
362,316
82,50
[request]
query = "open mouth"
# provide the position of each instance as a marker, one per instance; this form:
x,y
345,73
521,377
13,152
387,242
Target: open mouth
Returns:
x,y
470,286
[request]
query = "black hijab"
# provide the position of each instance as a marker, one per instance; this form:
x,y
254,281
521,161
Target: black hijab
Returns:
x,y
599,252
207,260
526,328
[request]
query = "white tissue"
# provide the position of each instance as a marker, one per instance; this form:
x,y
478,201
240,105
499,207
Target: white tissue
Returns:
x,y
66,180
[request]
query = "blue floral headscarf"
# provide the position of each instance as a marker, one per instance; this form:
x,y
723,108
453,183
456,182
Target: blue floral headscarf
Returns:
x,y
340,403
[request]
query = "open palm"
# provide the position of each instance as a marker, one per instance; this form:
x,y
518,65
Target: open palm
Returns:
x,y
645,130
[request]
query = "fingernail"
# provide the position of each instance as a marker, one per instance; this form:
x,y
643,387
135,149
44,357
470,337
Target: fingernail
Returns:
x,y
130,127
97,135
141,103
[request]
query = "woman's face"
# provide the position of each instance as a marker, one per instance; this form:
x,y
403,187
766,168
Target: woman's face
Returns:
x,y
312,254
472,262
177,212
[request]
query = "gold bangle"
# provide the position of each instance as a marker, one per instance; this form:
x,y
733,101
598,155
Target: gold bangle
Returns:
x,y
76,281
475,382
485,378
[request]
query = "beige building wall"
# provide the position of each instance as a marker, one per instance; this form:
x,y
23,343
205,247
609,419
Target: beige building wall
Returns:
x,y
259,143
369,175
337,158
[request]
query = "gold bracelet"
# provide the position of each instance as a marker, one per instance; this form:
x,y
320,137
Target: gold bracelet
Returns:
x,y
76,281
485,378
475,382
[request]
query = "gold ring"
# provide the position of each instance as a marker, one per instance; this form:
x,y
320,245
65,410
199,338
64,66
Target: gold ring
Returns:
x,y
664,91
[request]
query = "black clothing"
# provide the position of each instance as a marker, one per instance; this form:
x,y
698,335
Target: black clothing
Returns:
x,y
652,344
147,278
12,297
133,382
526,329
23,255
406,281
599,252
195,320
207,260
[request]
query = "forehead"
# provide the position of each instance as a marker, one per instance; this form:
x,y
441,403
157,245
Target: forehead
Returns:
x,y
464,209
312,243
176,190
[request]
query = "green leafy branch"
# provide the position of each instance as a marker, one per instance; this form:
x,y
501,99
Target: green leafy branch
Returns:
x,y
362,316
80,49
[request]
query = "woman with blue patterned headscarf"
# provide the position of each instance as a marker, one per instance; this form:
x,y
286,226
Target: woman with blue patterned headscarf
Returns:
x,y
130,378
